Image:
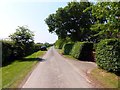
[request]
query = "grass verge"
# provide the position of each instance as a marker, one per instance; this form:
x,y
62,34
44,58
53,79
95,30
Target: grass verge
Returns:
x,y
66,56
14,74
106,79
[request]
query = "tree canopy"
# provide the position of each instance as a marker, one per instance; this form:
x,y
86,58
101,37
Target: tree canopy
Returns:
x,y
23,39
71,21
84,21
107,23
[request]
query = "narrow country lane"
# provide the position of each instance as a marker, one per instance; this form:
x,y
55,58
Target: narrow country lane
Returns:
x,y
57,72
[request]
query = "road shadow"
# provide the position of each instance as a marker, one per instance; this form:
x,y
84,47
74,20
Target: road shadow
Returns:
x,y
24,60
31,59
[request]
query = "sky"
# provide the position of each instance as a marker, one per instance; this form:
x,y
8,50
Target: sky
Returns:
x,y
14,13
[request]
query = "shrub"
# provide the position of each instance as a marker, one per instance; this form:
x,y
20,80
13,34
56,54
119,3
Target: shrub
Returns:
x,y
83,51
59,43
76,50
87,51
10,51
108,55
48,44
23,39
67,48
94,46
7,51
37,47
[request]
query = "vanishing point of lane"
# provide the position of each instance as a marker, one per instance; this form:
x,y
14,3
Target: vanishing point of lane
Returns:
x,y
55,72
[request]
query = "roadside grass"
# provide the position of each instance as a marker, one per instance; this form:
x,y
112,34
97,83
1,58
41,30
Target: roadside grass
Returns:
x,y
0,79
14,73
106,79
66,56
60,51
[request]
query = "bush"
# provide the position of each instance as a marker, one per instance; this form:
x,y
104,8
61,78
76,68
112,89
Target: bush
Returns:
x,y
7,51
87,52
108,55
67,48
48,44
23,39
10,51
76,50
94,46
37,47
83,51
59,43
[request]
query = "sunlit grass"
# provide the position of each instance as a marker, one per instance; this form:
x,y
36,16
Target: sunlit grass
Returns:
x,y
107,79
66,56
13,74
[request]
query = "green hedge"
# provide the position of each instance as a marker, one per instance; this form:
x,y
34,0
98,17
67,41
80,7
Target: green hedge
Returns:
x,y
83,51
37,47
10,51
75,52
87,51
67,48
59,43
7,51
108,55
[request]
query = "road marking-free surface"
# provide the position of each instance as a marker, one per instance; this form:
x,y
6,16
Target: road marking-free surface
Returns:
x,y
56,72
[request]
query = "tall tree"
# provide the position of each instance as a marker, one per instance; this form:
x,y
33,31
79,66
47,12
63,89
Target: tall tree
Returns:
x,y
23,39
71,21
107,16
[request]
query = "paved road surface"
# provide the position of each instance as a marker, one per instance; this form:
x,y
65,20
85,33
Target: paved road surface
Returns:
x,y
57,72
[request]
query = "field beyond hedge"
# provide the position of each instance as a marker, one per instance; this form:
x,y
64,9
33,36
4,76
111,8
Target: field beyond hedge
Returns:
x,y
14,73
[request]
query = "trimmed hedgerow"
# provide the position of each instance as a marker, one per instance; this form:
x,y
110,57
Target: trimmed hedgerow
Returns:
x,y
87,51
37,47
75,52
108,55
7,51
82,51
11,51
67,48
59,43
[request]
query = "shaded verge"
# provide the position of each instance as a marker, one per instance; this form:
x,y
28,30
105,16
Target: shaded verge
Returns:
x,y
14,74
